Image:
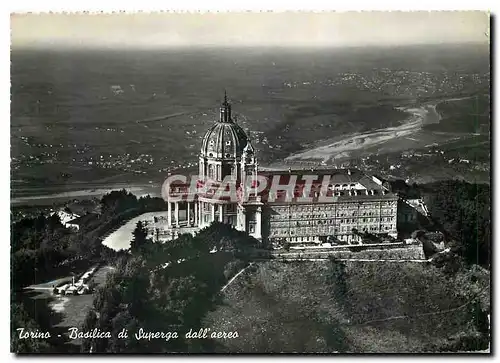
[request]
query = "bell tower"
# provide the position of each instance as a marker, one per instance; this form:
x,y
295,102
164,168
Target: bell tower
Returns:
x,y
250,206
248,163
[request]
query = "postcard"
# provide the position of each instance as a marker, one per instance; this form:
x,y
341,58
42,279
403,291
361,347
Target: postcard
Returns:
x,y
250,182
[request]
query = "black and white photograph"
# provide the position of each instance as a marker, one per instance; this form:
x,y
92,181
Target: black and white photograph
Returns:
x,y
250,182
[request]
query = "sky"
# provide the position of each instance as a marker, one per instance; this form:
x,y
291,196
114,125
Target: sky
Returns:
x,y
292,29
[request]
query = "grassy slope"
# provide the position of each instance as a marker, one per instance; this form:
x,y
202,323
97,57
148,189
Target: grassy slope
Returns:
x,y
324,307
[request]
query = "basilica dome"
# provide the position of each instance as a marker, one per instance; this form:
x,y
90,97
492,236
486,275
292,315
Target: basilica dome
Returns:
x,y
225,139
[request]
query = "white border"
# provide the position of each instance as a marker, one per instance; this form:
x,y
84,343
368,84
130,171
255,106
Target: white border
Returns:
x,y
255,5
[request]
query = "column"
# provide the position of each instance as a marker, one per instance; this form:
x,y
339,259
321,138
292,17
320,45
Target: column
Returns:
x,y
169,216
220,213
196,223
243,220
212,206
258,223
188,213
177,214
201,213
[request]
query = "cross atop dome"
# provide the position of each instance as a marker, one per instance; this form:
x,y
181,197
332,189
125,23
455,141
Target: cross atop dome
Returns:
x,y
225,110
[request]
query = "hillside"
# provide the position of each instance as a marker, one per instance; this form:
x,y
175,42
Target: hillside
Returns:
x,y
336,307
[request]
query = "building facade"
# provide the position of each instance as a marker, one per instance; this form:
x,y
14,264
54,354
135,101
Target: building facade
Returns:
x,y
295,206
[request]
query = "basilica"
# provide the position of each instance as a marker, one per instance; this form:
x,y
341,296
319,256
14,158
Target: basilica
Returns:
x,y
296,206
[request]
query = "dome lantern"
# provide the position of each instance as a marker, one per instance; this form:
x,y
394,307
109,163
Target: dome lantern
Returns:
x,y
225,110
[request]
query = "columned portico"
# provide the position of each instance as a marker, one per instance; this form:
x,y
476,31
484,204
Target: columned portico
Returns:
x,y
191,215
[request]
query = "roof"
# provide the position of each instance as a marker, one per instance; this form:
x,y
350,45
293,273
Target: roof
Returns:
x,y
65,216
83,219
225,139
338,177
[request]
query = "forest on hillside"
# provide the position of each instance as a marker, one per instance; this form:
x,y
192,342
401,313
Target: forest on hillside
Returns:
x,y
463,212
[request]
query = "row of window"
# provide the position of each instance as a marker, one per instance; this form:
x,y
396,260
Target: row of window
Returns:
x,y
326,215
348,237
276,232
302,231
388,220
318,219
212,142
333,207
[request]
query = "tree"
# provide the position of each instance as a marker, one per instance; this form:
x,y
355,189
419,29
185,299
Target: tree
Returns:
x,y
89,324
21,319
166,287
462,212
140,238
118,201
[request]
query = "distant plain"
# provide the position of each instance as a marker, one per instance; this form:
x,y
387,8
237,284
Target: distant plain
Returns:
x,y
85,120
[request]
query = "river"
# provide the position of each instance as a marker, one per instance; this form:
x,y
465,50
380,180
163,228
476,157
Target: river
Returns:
x,y
346,146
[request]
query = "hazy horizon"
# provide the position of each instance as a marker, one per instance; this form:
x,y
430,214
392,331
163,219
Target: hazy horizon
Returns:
x,y
249,30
